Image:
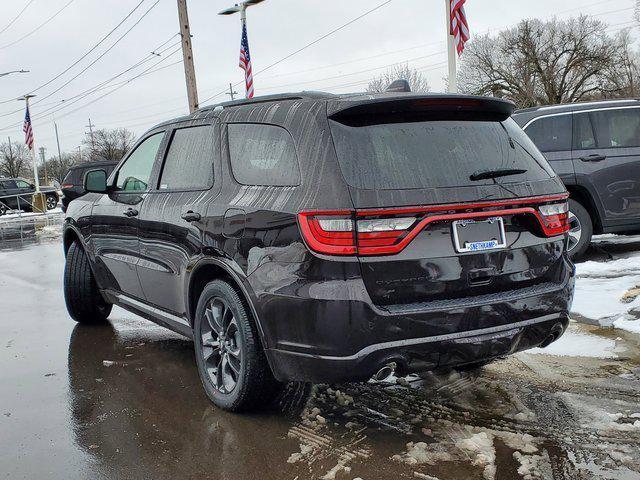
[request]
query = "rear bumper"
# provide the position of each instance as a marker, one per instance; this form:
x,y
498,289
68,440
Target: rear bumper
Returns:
x,y
333,334
420,354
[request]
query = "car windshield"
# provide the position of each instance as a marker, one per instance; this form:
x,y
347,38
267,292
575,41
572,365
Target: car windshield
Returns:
x,y
428,154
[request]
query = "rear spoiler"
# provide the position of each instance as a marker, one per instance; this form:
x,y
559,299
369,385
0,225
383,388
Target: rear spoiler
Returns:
x,y
380,109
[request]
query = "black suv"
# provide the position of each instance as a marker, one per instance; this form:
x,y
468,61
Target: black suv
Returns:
x,y
17,194
595,149
316,237
73,182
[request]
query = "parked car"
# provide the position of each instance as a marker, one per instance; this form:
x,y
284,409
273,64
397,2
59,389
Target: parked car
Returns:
x,y
72,184
326,238
17,194
595,149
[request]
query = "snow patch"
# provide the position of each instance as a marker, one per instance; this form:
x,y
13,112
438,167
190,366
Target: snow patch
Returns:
x,y
632,326
579,344
480,448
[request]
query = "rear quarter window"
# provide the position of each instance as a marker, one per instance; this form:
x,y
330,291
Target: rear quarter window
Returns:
x,y
551,134
262,155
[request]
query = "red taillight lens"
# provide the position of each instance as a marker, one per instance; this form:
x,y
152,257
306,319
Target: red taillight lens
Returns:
x,y
554,218
333,233
329,232
66,185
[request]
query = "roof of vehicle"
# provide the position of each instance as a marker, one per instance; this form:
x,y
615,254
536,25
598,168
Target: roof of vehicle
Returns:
x,y
572,107
99,163
348,101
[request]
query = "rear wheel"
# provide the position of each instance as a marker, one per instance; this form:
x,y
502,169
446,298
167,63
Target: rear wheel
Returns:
x,y
81,294
231,362
52,202
580,229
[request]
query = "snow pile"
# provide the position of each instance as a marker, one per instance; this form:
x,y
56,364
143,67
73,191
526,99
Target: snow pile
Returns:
x,y
305,449
49,232
420,453
482,452
579,344
530,465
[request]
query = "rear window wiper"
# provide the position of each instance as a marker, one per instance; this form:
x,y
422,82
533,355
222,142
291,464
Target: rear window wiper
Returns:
x,y
500,172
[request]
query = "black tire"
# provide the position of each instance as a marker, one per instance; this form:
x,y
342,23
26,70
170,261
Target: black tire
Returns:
x,y
253,384
581,229
81,294
51,201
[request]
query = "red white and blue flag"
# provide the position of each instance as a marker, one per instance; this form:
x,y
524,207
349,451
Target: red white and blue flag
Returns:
x,y
245,62
459,27
28,131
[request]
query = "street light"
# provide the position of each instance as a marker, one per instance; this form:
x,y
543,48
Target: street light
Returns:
x,y
240,7
13,71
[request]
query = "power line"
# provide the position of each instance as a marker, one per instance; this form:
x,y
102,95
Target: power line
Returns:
x,y
16,17
38,27
101,55
82,57
309,45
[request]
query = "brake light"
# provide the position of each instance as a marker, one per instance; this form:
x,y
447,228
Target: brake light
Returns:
x,y
66,185
554,218
389,231
333,232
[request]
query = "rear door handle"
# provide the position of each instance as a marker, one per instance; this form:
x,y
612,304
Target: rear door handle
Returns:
x,y
191,216
593,158
131,212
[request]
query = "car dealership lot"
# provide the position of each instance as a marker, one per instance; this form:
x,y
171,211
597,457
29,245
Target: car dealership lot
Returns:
x,y
124,400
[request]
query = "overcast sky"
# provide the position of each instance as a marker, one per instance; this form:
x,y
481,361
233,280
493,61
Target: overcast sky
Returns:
x,y
402,30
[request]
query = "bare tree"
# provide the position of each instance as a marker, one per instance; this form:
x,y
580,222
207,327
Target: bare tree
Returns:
x,y
15,159
417,81
556,61
58,167
108,144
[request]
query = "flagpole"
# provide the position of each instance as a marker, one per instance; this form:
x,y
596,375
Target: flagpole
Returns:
x,y
451,52
34,159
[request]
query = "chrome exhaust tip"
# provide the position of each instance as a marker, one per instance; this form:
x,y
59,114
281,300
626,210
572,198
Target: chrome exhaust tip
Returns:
x,y
385,372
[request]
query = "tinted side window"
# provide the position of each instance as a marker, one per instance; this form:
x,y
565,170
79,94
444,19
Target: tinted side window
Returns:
x,y
551,134
263,155
134,175
617,128
189,161
583,136
9,184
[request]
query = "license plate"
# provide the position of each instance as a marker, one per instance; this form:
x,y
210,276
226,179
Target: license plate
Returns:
x,y
479,235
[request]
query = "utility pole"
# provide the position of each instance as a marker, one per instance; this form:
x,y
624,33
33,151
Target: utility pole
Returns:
x,y
90,126
44,162
231,92
55,125
187,56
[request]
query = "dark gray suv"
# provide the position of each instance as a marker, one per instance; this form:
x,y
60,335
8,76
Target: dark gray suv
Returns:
x,y
595,149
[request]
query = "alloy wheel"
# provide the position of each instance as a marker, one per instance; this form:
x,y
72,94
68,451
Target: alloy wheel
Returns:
x,y
51,203
575,231
221,345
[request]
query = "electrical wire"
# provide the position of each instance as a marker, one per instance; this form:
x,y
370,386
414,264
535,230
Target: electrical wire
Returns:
x,y
16,17
38,27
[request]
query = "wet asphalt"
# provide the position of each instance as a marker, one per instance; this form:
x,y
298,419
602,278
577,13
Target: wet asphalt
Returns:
x,y
123,401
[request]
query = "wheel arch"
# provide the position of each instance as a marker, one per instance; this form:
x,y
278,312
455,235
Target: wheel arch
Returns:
x,y
583,196
210,269
69,236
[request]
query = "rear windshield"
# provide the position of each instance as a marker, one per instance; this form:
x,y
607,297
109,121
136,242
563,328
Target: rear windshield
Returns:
x,y
72,176
435,154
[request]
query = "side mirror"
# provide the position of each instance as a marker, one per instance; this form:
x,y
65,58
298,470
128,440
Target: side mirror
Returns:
x,y
95,181
32,185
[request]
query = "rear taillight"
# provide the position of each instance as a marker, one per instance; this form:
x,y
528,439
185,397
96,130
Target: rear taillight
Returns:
x,y
342,233
389,231
67,185
554,218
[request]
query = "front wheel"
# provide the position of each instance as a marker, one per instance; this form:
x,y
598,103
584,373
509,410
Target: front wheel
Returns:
x,y
81,294
231,362
580,229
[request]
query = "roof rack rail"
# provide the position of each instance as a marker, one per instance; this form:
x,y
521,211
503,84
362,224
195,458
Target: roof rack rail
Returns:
x,y
305,95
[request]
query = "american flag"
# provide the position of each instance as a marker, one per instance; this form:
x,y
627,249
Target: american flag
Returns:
x,y
28,131
245,62
459,26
